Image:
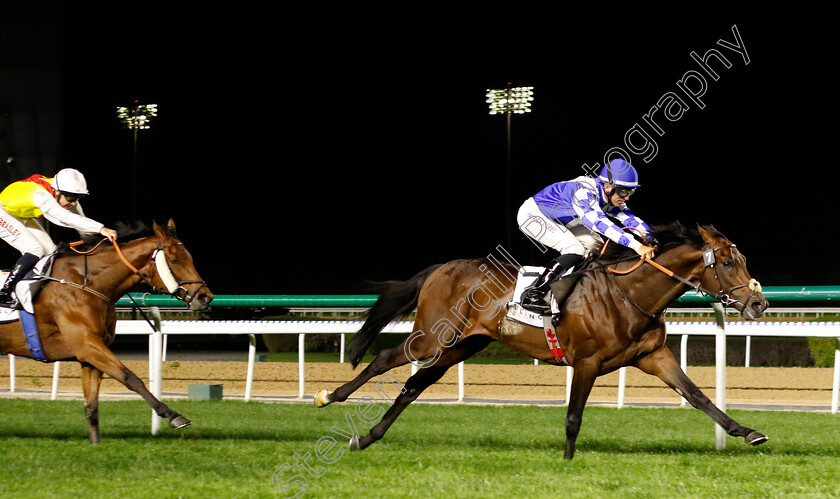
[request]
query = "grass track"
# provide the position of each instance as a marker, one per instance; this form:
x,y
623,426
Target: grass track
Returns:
x,y
234,448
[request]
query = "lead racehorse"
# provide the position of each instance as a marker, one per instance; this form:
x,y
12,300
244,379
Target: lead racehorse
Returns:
x,y
614,317
76,319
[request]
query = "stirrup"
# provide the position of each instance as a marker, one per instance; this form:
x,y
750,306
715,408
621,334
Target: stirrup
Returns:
x,y
538,305
12,303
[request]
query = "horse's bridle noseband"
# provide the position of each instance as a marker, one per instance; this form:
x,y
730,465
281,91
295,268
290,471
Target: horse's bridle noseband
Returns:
x,y
710,260
173,286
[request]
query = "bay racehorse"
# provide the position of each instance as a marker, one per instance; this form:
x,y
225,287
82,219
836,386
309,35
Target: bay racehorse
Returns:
x,y
612,318
75,316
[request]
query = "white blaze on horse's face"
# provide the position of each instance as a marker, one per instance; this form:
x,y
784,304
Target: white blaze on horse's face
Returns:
x,y
164,272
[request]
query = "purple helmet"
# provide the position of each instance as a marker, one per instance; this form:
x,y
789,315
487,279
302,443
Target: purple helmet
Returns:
x,y
620,172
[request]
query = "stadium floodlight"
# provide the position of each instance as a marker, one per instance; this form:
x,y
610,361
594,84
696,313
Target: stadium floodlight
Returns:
x,y
135,118
509,101
138,116
516,100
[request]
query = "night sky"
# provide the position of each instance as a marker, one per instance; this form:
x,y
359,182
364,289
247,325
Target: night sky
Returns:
x,y
306,151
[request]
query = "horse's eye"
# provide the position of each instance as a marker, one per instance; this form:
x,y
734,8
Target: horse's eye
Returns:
x,y
728,264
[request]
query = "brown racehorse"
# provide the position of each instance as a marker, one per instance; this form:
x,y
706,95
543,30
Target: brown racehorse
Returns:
x,y
610,320
76,319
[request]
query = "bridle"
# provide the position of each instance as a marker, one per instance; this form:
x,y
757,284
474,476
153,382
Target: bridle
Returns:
x,y
174,286
710,262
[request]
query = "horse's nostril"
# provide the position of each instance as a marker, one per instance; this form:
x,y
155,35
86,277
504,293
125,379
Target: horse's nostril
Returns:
x,y
759,305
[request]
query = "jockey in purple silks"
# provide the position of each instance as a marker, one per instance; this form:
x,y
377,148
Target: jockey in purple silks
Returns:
x,y
571,217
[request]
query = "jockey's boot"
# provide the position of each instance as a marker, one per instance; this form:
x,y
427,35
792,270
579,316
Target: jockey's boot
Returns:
x,y
533,298
560,289
24,264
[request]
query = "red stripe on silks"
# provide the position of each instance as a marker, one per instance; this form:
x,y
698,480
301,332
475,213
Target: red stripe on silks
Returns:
x,y
42,181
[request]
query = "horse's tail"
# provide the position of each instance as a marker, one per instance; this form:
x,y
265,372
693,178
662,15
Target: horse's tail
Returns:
x,y
397,299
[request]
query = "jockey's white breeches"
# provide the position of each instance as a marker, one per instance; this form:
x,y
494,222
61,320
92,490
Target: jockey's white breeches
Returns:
x,y
26,236
574,238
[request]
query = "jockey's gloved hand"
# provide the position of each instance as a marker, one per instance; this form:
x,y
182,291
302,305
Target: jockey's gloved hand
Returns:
x,y
646,252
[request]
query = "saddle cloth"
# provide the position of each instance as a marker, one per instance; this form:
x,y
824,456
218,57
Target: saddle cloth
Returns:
x,y
527,275
27,289
517,313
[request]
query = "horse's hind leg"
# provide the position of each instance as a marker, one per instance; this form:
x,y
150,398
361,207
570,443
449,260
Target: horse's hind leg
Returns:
x,y
91,379
422,379
662,364
384,362
422,346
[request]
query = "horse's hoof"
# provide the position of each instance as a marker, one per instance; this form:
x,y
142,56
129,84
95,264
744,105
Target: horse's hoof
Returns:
x,y
179,422
354,443
322,398
756,438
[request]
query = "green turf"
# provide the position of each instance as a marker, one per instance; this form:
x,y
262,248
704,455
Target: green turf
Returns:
x,y
234,449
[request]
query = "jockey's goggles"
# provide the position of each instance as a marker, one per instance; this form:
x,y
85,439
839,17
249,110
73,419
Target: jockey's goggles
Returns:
x,y
72,197
624,192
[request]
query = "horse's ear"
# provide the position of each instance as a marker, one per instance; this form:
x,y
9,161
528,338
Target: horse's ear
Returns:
x,y
707,236
163,232
160,232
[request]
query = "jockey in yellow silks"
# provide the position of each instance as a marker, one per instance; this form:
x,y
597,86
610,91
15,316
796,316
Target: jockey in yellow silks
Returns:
x,y
55,199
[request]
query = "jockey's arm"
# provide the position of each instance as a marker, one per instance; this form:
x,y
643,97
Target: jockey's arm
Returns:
x,y
590,213
62,216
628,219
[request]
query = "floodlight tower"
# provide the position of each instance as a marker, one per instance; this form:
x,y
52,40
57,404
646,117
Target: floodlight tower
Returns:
x,y
136,118
509,101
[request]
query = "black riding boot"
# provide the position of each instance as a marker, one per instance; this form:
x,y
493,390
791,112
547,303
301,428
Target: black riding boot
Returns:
x,y
24,264
533,298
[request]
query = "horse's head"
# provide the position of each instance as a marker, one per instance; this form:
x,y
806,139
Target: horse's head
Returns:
x,y
726,273
172,269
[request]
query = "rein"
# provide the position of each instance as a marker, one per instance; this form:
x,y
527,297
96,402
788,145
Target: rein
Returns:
x,y
173,286
116,247
710,260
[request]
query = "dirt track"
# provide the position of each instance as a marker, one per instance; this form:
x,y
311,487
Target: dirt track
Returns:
x,y
757,385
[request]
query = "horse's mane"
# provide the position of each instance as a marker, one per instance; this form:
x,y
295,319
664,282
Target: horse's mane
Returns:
x,y
667,236
125,232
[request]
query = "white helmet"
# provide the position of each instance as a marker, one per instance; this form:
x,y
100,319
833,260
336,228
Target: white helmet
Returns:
x,y
70,181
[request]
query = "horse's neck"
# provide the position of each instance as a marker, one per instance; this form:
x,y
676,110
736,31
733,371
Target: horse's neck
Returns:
x,y
107,273
682,261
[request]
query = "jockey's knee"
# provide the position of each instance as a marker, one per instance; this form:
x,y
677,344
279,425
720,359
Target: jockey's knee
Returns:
x,y
573,248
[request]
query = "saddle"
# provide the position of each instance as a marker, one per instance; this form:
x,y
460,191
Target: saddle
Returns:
x,y
27,289
26,292
560,288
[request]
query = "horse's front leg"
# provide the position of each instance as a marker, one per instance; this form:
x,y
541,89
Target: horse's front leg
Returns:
x,y
661,363
582,381
91,379
95,353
